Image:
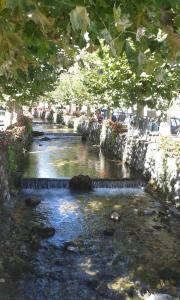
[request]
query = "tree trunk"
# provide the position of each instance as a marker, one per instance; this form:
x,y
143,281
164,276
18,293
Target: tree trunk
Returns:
x,y
140,110
88,111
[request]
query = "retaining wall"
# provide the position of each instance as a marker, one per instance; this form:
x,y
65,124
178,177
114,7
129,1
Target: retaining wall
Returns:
x,y
4,178
160,167
13,153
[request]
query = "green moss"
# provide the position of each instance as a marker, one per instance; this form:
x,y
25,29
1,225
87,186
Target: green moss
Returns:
x,y
113,137
11,159
29,128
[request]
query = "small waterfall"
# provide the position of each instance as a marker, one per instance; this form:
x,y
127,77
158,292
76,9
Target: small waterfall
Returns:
x,y
44,183
52,183
121,183
62,134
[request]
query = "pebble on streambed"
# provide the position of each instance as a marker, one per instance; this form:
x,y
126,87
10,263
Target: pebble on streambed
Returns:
x,y
115,216
73,247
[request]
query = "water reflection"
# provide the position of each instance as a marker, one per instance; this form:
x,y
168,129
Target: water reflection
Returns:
x,y
52,128
68,157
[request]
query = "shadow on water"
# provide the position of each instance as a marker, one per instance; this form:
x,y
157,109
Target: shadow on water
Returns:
x,y
90,256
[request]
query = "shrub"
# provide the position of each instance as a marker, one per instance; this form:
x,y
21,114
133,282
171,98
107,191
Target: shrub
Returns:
x,y
117,127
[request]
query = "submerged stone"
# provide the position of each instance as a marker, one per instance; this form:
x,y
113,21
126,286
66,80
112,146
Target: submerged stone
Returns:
x,y
149,212
175,212
109,232
43,232
32,201
146,212
81,183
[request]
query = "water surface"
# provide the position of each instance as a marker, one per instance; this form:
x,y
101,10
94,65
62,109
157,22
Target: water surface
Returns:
x,y
105,259
69,156
109,259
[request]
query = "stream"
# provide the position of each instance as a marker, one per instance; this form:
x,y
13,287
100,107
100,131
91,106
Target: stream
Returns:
x,y
70,246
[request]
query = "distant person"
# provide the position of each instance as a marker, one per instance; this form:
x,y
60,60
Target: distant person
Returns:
x,y
113,118
99,116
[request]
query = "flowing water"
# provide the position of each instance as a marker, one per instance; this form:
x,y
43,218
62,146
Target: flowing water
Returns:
x,y
90,255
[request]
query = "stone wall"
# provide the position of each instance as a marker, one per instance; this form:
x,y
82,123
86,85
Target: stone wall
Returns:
x,y
14,144
160,167
90,131
4,183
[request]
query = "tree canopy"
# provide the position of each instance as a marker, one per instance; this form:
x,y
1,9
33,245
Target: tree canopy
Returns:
x,y
100,79
38,37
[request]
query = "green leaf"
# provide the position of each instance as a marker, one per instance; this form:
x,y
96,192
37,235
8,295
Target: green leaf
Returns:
x,y
79,19
39,18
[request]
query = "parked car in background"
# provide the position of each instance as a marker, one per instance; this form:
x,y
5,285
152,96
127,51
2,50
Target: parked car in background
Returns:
x,y
175,126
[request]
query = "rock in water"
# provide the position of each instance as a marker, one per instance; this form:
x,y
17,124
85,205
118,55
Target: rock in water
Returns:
x,y
159,297
81,183
32,201
45,139
71,247
115,216
36,133
43,232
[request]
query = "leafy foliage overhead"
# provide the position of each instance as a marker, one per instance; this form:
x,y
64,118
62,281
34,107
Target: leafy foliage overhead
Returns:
x,y
34,33
100,79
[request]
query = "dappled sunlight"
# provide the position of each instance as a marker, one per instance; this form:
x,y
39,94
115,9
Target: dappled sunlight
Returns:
x,y
58,163
120,283
68,207
36,152
68,157
95,205
87,266
87,263
117,207
104,257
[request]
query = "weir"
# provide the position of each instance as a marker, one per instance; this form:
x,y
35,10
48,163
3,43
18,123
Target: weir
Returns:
x,y
61,134
54,183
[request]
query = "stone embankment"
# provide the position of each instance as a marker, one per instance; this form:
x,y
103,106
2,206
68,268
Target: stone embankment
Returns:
x,y
157,159
14,143
4,182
